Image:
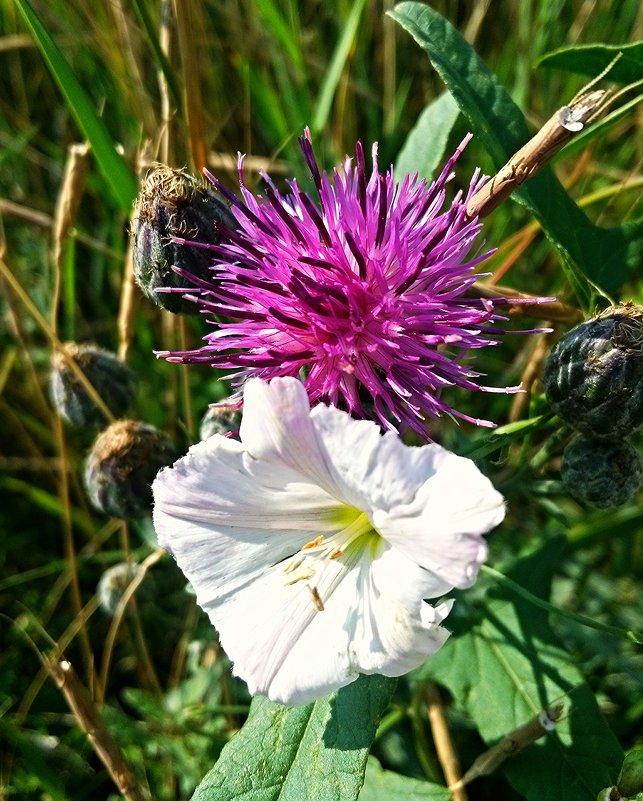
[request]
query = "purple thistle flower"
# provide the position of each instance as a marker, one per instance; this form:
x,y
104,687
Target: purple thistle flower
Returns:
x,y
363,295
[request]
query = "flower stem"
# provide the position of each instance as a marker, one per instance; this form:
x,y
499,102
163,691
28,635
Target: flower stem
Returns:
x,y
615,631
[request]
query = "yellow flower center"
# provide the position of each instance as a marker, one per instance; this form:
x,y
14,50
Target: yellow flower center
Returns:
x,y
354,533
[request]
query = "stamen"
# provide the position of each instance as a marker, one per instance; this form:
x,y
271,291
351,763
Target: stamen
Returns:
x,y
303,575
313,543
316,598
292,566
336,553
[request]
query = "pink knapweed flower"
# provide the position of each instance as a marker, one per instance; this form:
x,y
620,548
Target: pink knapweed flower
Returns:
x,y
363,295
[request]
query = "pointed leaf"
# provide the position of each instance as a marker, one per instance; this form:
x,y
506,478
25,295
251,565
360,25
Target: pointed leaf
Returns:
x,y
592,59
605,255
423,151
315,751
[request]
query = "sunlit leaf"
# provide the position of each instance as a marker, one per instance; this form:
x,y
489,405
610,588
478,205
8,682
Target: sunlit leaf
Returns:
x,y
507,668
423,151
317,750
592,59
604,255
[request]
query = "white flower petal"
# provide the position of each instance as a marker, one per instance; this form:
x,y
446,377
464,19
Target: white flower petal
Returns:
x,y
226,517
274,535
373,621
441,528
376,471
276,427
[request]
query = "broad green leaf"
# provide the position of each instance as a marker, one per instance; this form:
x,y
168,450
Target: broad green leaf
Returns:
x,y
509,666
316,751
112,166
605,255
592,59
385,785
423,151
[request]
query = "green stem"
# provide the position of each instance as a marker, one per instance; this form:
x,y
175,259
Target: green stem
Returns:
x,y
615,631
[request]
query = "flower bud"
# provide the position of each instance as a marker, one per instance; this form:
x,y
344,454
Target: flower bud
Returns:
x,y
113,583
601,473
174,204
594,375
113,381
224,420
122,465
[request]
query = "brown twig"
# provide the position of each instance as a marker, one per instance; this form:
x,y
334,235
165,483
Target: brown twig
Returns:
x,y
528,305
559,129
530,374
443,743
545,721
91,722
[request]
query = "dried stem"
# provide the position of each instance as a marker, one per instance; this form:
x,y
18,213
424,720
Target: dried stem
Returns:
x,y
91,722
561,128
443,743
152,559
184,11
542,723
67,203
530,374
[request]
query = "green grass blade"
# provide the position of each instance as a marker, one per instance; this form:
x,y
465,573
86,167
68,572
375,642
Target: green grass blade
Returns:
x,y
153,41
112,166
336,66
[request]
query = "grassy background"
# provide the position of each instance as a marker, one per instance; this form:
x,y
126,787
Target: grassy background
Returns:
x,y
236,76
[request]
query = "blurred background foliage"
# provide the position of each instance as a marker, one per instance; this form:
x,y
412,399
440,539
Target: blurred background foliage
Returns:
x,y
191,84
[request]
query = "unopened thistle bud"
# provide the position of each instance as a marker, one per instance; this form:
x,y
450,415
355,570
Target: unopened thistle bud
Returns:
x,y
594,375
113,381
601,473
224,420
113,583
122,465
174,204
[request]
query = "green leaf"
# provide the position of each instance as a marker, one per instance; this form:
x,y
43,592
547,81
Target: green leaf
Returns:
x,y
604,255
423,151
112,166
509,666
592,59
384,785
316,751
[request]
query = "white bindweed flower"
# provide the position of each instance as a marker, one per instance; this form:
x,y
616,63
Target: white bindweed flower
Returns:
x,y
312,543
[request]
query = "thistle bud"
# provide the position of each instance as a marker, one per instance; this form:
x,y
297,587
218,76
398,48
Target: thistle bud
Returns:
x,y
113,381
224,420
601,473
174,204
113,583
594,375
122,465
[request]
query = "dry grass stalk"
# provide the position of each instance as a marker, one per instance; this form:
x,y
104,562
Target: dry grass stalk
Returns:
x,y
91,722
443,743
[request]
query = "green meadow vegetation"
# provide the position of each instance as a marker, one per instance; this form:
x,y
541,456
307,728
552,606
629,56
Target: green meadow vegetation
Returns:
x,y
106,668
